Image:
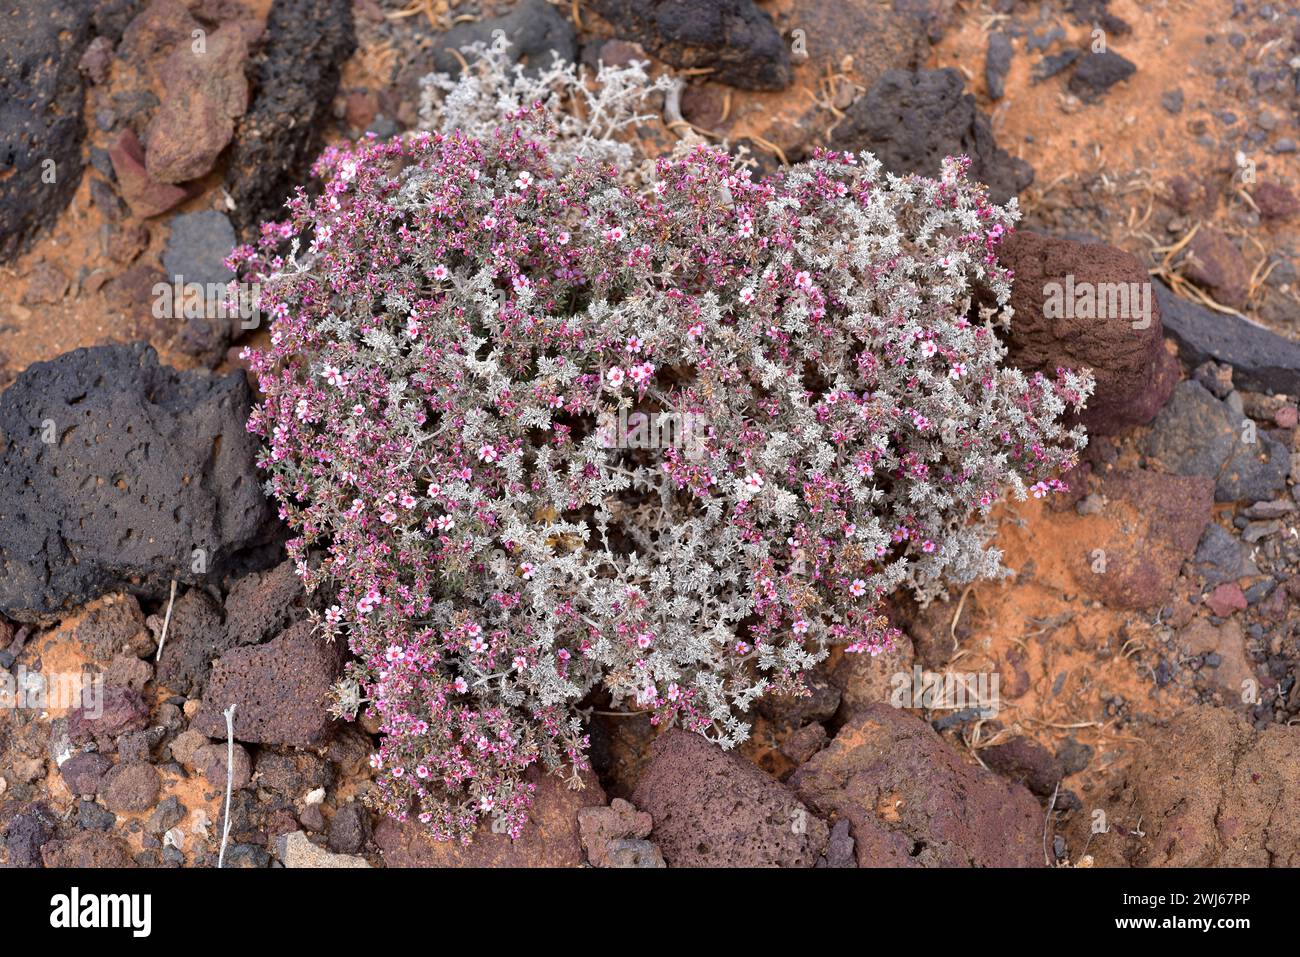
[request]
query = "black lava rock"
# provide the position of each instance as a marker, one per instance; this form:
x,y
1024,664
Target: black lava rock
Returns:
x,y
307,42
117,472
733,37
997,61
536,31
912,120
41,121
1098,72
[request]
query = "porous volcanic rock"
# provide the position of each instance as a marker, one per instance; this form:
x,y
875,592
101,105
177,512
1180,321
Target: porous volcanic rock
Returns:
x,y
712,808
1156,521
734,38
911,120
550,837
116,472
912,801
1126,353
41,121
297,75
280,689
204,93
1209,791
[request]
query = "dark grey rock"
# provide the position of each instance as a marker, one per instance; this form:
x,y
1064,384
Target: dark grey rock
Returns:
x,y
733,37
1049,66
27,833
150,476
1098,72
41,114
92,816
197,245
195,638
537,32
307,42
247,855
912,120
1172,100
350,829
1074,757
1220,556
839,848
1035,43
1262,361
997,61
1197,434
634,853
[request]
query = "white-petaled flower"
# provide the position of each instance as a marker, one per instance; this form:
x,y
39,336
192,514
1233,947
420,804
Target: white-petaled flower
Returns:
x,y
753,483
858,588
615,377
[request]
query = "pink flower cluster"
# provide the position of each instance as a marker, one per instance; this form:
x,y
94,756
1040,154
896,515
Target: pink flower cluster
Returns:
x,y
452,318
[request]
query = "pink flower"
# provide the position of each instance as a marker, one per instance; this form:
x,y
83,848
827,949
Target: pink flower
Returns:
x,y
487,453
803,280
461,685
753,483
615,377
858,588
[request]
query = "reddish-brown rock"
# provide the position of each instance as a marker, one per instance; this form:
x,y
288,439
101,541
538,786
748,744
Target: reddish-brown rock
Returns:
x,y
550,839
912,801
116,712
866,680
1275,201
281,690
712,808
145,195
1154,523
87,849
204,93
1215,264
1134,373
598,826
1208,791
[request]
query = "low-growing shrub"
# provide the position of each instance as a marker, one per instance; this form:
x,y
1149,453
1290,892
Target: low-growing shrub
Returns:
x,y
458,321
